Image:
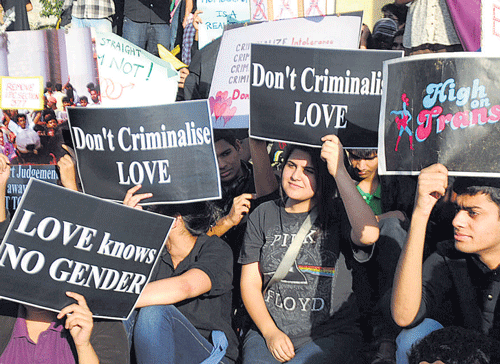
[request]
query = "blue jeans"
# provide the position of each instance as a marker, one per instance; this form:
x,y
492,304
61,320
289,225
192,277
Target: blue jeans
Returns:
x,y
408,337
335,349
146,35
163,335
101,25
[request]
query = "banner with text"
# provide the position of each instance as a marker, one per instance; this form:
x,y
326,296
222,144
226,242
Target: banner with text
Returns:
x,y
229,92
490,26
299,95
21,93
60,240
216,15
130,76
441,109
168,149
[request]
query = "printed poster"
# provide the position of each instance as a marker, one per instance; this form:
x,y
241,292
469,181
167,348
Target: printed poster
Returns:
x,y
441,109
60,240
230,89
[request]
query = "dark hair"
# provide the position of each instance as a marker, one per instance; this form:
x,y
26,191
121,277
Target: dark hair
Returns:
x,y
198,217
225,134
363,153
21,116
66,99
70,93
326,187
90,85
58,87
84,98
455,345
50,112
471,186
48,84
399,10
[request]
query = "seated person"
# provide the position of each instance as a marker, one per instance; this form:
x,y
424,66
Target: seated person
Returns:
x,y
184,313
28,334
461,274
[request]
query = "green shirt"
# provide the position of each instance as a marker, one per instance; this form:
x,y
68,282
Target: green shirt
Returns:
x,y
374,201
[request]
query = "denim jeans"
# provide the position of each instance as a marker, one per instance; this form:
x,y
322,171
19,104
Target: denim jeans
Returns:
x,y
163,335
335,349
408,337
146,35
100,25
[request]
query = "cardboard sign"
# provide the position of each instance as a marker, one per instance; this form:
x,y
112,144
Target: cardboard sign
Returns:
x,y
441,109
130,76
216,14
490,19
60,240
286,9
21,93
229,92
299,95
168,149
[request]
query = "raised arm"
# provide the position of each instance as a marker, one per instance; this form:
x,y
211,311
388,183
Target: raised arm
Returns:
x,y
407,290
264,178
364,226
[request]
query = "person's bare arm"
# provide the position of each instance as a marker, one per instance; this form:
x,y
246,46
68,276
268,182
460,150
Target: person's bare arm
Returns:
x,y
278,343
240,208
407,291
167,291
189,9
264,178
364,226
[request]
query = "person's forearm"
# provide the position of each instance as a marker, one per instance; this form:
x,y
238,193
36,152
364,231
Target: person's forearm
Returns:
x,y
364,225
407,289
222,226
189,8
264,178
87,354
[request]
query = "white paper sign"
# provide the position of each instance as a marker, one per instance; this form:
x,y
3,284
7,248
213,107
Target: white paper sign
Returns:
x,y
490,40
130,76
229,92
21,93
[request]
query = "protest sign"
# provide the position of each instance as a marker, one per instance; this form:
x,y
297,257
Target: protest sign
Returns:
x,y
490,19
440,109
21,93
60,240
19,178
130,76
299,95
285,9
216,15
168,149
229,92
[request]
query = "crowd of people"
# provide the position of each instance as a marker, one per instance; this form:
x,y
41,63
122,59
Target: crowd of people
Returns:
x,y
310,256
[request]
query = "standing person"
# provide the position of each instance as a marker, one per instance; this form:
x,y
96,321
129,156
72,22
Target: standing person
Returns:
x,y
185,311
21,8
147,23
91,13
429,28
310,315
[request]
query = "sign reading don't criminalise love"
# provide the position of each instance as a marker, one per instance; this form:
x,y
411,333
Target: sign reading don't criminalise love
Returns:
x,y
168,149
60,240
299,95
441,109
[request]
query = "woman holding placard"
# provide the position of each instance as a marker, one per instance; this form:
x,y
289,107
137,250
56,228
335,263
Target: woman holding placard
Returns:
x,y
298,250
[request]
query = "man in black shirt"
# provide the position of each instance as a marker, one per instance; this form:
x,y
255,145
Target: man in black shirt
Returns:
x,y
462,275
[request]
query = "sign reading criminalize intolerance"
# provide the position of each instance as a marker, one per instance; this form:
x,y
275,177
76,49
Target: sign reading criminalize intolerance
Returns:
x,y
60,240
299,95
21,93
230,88
168,149
441,109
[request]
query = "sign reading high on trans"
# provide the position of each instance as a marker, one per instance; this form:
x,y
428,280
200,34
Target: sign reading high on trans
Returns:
x,y
60,240
168,149
441,109
299,95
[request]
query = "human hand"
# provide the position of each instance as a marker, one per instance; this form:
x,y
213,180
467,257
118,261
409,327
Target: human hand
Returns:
x,y
79,320
183,73
363,39
197,19
280,346
67,170
132,200
432,185
240,208
332,153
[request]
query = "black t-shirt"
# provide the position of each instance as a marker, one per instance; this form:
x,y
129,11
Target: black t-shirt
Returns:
x,y
212,310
